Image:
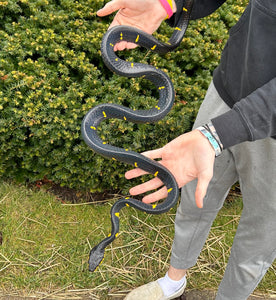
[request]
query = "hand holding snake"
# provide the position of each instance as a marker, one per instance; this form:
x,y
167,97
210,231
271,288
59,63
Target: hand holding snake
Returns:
x,y
143,14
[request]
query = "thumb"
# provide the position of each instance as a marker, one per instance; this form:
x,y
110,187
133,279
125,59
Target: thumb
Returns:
x,y
110,7
201,188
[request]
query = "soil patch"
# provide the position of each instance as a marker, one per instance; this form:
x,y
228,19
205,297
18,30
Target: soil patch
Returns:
x,y
66,194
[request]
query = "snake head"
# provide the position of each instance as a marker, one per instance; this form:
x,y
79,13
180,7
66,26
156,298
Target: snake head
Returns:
x,y
95,258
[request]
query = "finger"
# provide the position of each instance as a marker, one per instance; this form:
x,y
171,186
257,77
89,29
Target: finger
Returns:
x,y
120,46
124,45
153,154
201,189
110,7
147,186
135,173
131,45
158,195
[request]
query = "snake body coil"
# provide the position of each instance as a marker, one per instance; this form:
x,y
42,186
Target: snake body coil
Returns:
x,y
105,111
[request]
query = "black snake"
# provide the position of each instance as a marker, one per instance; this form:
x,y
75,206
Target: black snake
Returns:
x,y
105,111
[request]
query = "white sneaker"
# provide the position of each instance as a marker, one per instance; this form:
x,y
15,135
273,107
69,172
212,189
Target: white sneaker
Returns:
x,y
153,291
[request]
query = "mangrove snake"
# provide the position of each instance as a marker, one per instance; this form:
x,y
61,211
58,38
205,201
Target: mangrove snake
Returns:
x,y
106,111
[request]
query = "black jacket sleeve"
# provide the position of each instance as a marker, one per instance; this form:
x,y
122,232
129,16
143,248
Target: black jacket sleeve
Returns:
x,y
252,118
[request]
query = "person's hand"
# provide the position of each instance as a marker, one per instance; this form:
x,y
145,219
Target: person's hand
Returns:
x,y
189,156
146,15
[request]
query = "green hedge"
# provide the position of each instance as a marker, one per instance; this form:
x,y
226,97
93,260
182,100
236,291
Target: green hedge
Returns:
x,y
51,74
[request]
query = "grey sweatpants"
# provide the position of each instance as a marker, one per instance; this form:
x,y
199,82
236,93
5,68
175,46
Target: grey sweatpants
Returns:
x,y
253,164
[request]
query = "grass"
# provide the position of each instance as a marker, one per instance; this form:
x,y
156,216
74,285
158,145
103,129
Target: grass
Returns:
x,y
46,243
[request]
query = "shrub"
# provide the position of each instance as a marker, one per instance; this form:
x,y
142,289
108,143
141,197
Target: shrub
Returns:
x,y
51,74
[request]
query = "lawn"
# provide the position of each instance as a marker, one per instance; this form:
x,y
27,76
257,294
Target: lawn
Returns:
x,y
46,242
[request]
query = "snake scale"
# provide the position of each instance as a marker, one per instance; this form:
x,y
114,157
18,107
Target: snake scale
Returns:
x,y
105,111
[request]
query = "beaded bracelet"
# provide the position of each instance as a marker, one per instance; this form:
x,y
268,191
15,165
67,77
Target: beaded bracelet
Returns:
x,y
167,4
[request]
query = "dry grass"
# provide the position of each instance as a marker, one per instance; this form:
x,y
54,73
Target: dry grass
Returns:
x,y
46,246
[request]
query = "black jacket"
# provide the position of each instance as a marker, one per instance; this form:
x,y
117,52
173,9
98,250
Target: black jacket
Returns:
x,y
246,75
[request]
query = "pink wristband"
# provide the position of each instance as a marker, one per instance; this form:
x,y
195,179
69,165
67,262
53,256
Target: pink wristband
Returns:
x,y
167,7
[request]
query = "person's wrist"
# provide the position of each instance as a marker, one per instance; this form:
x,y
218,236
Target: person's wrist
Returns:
x,y
169,6
211,139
